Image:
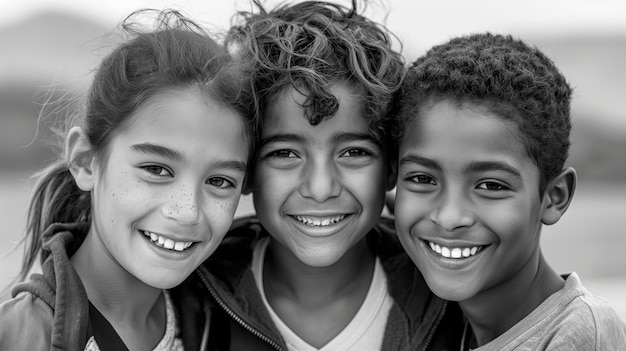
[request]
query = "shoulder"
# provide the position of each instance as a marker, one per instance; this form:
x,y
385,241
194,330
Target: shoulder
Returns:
x,y
586,319
603,321
25,323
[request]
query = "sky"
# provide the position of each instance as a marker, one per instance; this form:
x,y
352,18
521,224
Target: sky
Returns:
x,y
418,25
427,22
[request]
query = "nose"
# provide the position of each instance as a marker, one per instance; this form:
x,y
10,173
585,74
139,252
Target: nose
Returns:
x,y
321,181
183,205
452,211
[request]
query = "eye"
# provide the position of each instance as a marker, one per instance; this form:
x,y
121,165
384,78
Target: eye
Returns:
x,y
282,153
157,170
356,152
220,182
492,186
424,179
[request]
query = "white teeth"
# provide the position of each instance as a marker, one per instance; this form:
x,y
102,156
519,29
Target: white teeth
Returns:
x,y
314,222
432,245
455,252
167,243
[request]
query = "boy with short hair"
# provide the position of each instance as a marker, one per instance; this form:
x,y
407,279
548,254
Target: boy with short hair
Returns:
x,y
483,137
318,269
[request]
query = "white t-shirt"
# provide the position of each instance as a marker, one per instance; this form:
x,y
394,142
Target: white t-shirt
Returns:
x,y
366,330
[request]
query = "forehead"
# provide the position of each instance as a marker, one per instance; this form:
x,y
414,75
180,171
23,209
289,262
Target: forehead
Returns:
x,y
188,120
452,130
285,115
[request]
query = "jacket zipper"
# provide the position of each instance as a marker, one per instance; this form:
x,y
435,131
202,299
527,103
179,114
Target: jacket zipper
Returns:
x,y
238,319
434,328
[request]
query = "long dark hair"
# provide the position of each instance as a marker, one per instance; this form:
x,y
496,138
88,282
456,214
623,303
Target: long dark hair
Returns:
x,y
175,53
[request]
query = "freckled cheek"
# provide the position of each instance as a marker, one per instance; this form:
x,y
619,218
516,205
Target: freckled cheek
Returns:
x,y
129,196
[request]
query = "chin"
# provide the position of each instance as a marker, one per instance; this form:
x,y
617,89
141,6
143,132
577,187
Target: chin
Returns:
x,y
164,283
319,261
448,291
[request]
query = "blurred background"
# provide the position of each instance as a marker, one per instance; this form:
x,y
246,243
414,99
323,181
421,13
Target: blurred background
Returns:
x,y
49,49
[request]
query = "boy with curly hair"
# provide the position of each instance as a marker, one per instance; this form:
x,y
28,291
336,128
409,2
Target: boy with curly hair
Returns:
x,y
483,137
318,269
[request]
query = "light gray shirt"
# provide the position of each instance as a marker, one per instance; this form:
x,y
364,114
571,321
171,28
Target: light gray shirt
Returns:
x,y
570,319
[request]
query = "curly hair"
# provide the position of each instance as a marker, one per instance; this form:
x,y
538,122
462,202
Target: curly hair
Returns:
x,y
313,44
506,76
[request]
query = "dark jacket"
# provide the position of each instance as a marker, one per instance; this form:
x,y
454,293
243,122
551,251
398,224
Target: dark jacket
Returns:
x,y
418,320
51,311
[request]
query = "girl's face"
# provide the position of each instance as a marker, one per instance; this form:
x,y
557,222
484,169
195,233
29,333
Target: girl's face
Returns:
x,y
167,194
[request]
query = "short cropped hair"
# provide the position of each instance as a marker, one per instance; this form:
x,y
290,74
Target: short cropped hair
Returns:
x,y
507,77
313,44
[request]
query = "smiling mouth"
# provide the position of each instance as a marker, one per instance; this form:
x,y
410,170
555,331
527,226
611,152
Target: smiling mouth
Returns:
x,y
455,252
167,243
319,221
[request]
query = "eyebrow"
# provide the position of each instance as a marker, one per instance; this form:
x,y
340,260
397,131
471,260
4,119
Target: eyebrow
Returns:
x,y
474,167
277,138
426,162
165,152
158,150
238,166
477,167
347,137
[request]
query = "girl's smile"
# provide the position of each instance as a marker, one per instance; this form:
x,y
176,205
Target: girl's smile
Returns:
x,y
167,243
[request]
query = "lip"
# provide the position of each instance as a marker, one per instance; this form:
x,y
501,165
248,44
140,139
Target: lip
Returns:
x,y
452,263
320,231
169,236
166,253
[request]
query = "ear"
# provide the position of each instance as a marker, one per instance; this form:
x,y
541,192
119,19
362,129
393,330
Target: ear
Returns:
x,y
248,185
81,158
392,174
558,195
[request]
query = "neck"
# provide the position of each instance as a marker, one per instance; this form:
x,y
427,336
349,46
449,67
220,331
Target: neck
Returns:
x,y
496,310
286,276
117,294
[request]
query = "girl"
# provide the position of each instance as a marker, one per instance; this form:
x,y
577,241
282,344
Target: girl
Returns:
x,y
146,190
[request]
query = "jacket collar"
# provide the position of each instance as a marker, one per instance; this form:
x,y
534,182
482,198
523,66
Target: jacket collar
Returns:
x,y
229,279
